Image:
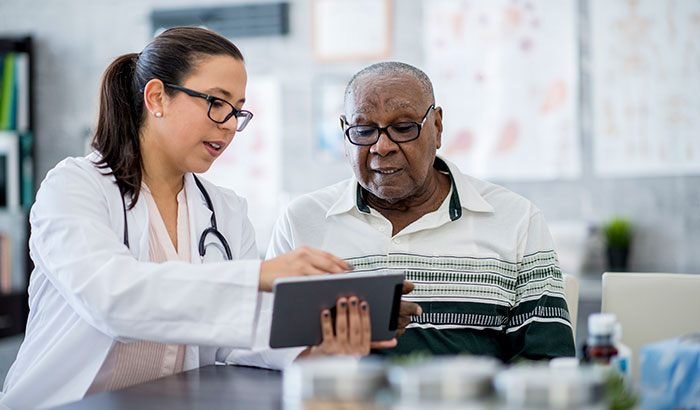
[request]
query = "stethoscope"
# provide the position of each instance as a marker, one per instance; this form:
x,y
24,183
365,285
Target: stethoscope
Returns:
x,y
224,248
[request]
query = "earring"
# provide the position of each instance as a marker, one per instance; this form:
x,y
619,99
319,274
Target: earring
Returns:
x,y
158,114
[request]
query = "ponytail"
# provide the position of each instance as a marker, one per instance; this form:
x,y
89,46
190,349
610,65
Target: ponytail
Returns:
x,y
118,123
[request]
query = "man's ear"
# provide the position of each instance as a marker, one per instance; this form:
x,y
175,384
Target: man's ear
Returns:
x,y
438,126
154,97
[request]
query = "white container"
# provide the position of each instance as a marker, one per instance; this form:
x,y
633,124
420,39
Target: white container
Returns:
x,y
443,382
539,386
334,381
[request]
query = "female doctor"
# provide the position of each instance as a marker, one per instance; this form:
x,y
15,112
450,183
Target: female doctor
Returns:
x,y
141,266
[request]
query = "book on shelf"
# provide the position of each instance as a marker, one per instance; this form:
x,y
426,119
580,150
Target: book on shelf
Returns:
x,y
14,91
26,169
13,251
5,264
9,170
7,92
22,96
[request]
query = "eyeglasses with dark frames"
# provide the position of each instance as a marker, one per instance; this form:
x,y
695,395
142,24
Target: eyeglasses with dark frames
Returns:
x,y
219,109
398,132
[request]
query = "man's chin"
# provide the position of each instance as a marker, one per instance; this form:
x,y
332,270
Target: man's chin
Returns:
x,y
388,194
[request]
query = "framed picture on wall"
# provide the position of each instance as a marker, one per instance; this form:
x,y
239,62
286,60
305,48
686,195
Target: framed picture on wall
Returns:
x,y
9,170
343,30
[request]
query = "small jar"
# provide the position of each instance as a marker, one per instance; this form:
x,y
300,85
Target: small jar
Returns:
x,y
333,382
443,382
560,385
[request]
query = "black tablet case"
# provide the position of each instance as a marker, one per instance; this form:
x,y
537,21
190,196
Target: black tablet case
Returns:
x,y
296,313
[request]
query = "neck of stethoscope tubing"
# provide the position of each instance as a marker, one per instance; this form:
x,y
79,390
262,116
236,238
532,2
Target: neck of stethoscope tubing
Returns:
x,y
212,229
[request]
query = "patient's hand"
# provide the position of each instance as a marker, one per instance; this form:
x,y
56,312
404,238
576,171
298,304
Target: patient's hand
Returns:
x,y
407,310
352,334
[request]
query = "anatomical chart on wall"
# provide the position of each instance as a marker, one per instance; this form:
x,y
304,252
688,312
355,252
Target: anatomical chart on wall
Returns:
x,y
645,63
506,74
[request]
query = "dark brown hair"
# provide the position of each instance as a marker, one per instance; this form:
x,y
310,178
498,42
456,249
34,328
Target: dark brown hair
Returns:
x,y
171,57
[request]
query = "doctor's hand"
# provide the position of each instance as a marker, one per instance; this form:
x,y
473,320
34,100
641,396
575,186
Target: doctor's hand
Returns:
x,y
302,261
352,334
407,309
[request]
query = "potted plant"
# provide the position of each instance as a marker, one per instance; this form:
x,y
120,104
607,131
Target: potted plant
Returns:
x,y
618,236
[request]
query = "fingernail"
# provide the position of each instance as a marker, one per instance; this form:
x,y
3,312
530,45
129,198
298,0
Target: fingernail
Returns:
x,y
354,302
351,266
326,313
342,304
420,310
364,306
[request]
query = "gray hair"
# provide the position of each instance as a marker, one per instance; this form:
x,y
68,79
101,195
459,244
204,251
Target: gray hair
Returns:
x,y
394,68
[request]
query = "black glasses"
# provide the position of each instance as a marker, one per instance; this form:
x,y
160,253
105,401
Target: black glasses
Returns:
x,y
404,131
219,110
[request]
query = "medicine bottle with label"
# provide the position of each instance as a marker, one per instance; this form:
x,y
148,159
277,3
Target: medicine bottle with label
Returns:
x,y
600,344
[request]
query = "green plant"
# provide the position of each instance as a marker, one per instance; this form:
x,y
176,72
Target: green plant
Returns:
x,y
618,233
618,396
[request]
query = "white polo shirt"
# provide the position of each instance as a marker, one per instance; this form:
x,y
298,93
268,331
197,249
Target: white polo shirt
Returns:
x,y
486,273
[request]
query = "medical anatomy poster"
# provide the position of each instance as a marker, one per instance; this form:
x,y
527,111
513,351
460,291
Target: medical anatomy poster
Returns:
x,y
506,74
251,165
645,63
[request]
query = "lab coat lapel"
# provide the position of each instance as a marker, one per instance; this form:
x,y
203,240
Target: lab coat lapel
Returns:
x,y
137,220
200,219
141,219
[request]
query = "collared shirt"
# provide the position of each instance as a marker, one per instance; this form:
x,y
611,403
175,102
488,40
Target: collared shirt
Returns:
x,y
486,274
141,361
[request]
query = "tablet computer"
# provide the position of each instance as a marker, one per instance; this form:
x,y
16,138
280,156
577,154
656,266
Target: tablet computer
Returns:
x,y
298,302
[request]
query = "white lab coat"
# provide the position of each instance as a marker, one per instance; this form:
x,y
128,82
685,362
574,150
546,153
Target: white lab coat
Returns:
x,y
89,291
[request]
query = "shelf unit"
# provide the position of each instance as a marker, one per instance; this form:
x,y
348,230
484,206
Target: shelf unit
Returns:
x,y
17,185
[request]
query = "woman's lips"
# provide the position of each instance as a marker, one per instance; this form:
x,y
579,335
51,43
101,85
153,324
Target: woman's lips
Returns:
x,y
214,147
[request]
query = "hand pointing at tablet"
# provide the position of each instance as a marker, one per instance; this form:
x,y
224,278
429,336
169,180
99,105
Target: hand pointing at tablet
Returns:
x,y
302,261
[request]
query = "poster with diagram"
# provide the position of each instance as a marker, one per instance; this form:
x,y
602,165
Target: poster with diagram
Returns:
x,y
251,165
645,74
506,74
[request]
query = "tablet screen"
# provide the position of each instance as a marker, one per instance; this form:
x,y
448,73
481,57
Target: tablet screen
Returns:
x,y
298,302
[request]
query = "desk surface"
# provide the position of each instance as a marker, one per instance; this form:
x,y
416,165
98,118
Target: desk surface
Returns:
x,y
209,387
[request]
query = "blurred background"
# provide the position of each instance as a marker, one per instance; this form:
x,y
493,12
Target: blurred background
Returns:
x,y
589,108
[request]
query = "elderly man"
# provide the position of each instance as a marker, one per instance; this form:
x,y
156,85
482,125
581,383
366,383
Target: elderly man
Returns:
x,y
481,257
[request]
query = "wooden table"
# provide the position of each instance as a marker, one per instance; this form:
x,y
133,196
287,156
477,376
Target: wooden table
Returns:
x,y
209,387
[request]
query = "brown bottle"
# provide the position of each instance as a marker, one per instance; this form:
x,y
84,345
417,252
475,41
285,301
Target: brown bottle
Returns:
x,y
600,345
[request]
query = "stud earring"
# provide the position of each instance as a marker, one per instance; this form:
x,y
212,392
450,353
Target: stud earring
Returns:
x,y
158,114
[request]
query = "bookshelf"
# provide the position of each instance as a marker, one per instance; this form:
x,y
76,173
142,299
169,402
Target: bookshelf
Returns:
x,y
16,179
